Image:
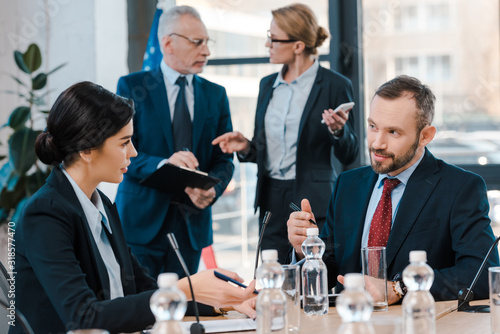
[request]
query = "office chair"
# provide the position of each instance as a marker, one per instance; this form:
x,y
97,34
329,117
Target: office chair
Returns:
x,y
5,303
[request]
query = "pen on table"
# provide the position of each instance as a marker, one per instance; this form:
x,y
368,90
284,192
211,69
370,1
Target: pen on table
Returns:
x,y
229,279
185,149
297,209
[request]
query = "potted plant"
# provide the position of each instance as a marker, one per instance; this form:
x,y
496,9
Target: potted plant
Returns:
x,y
21,173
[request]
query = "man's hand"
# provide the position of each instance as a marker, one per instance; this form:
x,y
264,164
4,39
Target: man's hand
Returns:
x,y
375,288
201,198
232,142
298,225
184,158
335,120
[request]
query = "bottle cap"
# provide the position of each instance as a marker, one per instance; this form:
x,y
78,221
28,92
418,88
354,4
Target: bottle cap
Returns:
x,y
269,255
167,280
418,256
312,232
353,281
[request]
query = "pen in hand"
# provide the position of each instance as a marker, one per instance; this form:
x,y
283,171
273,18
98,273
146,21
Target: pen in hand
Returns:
x,y
229,279
297,209
185,149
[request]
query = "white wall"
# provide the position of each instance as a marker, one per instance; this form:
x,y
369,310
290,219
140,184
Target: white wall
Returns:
x,y
89,35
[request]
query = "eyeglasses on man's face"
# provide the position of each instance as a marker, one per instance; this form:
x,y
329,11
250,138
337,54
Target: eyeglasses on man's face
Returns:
x,y
197,42
273,40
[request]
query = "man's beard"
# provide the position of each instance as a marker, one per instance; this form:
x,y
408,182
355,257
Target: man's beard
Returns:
x,y
397,162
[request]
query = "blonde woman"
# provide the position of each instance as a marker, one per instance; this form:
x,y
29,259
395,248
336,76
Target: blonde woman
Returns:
x,y
293,150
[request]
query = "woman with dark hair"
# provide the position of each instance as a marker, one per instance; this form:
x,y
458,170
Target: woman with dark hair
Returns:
x,y
294,152
73,267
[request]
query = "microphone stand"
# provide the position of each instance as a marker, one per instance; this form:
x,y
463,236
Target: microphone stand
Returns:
x,y
267,216
465,296
197,327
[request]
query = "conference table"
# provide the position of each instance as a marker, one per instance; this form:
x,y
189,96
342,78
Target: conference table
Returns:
x,y
448,320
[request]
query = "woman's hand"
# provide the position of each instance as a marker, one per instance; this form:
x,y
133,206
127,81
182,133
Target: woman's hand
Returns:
x,y
232,142
213,291
335,120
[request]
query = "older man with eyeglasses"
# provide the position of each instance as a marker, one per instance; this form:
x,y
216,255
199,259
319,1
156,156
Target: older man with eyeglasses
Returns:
x,y
178,114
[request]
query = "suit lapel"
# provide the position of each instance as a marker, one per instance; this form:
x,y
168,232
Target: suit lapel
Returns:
x,y
59,181
120,252
311,100
158,95
200,110
420,186
357,214
261,112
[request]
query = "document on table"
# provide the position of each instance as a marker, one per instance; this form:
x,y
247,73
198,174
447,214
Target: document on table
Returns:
x,y
226,325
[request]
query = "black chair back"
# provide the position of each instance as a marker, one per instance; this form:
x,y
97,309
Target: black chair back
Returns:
x,y
5,312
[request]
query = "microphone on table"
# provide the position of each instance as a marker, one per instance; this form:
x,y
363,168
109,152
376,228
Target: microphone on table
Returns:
x,y
466,295
267,216
197,327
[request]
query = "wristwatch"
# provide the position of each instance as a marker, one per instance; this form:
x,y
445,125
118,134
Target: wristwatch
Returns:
x,y
398,286
220,311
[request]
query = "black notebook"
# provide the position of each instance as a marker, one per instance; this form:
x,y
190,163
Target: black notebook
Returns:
x,y
174,179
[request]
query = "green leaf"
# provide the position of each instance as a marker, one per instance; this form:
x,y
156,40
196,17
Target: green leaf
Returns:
x,y
13,181
9,199
39,81
57,68
19,117
18,81
18,57
21,149
5,173
19,209
36,100
44,111
33,58
15,93
4,214
34,182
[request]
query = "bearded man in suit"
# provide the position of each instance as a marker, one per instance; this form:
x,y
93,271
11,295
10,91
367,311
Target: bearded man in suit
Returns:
x,y
431,205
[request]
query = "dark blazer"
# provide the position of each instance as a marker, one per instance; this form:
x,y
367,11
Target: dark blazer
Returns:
x,y
316,146
444,211
62,282
143,209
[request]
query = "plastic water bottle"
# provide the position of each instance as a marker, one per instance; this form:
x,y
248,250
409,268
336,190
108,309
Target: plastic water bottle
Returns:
x,y
168,305
314,275
271,302
354,306
419,313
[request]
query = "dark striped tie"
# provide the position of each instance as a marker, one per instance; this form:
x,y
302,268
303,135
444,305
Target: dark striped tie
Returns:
x,y
182,126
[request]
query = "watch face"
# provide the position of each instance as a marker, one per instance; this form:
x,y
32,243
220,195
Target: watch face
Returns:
x,y
398,288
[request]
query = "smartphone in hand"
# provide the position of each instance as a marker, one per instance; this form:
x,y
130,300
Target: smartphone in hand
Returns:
x,y
344,107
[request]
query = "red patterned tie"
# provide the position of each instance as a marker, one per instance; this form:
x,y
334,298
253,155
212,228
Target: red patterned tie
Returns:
x,y
382,219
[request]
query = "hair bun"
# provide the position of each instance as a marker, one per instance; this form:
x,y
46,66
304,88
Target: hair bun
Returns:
x,y
321,36
47,150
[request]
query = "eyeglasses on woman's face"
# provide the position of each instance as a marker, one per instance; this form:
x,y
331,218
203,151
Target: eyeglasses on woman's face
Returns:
x,y
274,40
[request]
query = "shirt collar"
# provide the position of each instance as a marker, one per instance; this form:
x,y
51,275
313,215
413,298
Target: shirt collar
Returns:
x,y
172,75
93,208
404,176
302,79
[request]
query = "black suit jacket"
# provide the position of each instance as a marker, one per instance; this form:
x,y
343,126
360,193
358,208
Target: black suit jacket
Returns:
x,y
444,211
316,146
62,282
